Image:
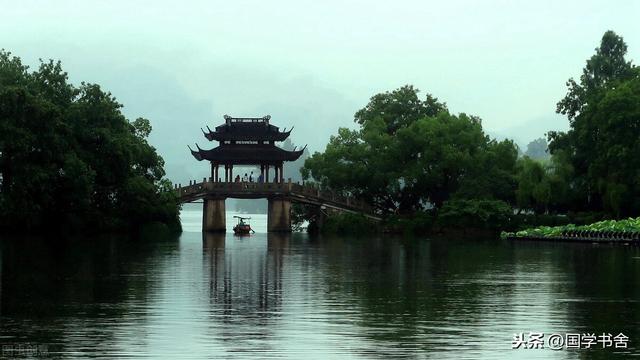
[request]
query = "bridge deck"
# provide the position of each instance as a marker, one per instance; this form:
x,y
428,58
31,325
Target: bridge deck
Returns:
x,y
292,191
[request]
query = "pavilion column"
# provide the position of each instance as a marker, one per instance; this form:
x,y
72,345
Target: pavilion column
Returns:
x,y
281,173
215,179
230,173
266,173
275,175
226,173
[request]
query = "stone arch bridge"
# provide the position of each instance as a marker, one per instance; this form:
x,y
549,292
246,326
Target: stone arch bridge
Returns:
x,y
279,195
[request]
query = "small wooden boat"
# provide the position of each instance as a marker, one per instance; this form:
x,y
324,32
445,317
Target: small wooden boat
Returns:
x,y
242,227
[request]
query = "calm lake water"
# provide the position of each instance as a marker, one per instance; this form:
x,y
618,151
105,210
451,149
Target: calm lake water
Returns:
x,y
274,296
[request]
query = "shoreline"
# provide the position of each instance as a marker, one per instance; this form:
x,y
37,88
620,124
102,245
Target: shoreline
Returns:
x,y
584,240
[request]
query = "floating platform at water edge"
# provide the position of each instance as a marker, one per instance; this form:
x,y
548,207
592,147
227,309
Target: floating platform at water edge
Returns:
x,y
608,237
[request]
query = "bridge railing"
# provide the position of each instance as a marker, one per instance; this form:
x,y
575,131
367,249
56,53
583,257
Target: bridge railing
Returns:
x,y
330,195
195,186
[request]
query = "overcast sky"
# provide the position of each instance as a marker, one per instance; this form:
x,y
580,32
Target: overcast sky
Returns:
x,y
312,64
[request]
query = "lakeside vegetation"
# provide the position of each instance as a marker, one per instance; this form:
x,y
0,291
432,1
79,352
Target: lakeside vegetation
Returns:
x,y
626,229
425,168
70,160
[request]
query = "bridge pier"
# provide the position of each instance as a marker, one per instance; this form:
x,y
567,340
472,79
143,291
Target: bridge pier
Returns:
x,y
320,218
279,215
213,215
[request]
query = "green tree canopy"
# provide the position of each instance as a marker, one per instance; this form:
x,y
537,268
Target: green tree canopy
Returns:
x,y
603,71
399,108
410,154
604,139
538,149
68,156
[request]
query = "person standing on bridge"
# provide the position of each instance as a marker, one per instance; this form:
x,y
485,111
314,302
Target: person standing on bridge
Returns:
x,y
260,178
251,177
237,178
245,178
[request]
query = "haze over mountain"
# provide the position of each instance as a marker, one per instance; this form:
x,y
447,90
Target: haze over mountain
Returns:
x,y
312,64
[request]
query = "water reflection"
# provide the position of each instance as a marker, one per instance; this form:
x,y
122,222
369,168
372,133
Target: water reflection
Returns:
x,y
244,287
250,284
70,293
292,296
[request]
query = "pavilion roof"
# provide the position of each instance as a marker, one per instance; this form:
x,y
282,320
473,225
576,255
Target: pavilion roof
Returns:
x,y
246,154
246,129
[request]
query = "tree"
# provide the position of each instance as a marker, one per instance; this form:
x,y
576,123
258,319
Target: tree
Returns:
x,y
399,108
602,71
69,157
410,154
613,163
604,135
534,190
538,149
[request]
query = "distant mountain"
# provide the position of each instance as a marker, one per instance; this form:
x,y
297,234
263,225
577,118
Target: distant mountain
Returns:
x,y
532,129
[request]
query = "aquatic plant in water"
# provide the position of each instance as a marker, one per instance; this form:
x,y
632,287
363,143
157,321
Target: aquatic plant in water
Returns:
x,y
612,227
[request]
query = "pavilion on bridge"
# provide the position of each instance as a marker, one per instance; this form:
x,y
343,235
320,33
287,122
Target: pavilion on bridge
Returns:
x,y
246,141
